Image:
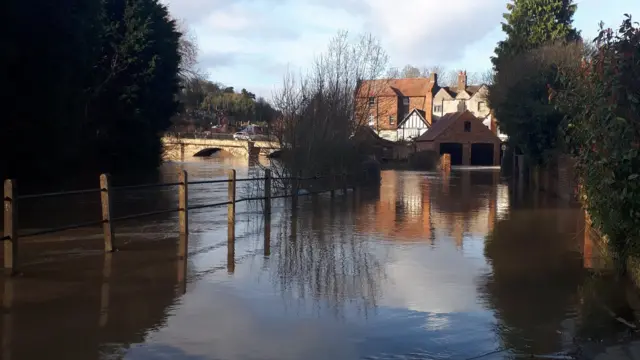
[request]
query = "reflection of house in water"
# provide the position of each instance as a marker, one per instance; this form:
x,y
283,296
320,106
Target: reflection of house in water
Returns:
x,y
402,209
414,207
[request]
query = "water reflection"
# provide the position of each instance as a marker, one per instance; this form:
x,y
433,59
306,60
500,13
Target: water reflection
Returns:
x,y
78,310
427,266
536,271
320,260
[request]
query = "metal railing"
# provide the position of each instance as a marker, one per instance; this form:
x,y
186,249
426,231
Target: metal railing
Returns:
x,y
11,198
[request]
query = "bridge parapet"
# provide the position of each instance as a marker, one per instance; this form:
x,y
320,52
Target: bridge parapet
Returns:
x,y
181,148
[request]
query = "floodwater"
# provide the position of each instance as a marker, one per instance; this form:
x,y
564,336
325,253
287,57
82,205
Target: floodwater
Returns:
x,y
430,266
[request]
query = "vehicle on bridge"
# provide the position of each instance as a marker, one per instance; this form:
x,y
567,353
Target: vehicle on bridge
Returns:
x,y
242,135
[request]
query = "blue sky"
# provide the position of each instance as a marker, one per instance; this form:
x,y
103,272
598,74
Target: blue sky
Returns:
x,y
251,43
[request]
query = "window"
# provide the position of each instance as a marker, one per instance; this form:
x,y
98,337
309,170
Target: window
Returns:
x,y
372,120
405,101
437,108
391,120
482,106
372,101
467,126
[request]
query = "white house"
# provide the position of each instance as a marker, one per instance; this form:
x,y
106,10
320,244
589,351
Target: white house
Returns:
x,y
460,98
412,126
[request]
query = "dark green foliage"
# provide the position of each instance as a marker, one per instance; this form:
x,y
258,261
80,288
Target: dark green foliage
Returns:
x,y
602,100
93,84
534,23
525,64
520,99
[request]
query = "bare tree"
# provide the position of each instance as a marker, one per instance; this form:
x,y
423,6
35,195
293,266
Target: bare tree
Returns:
x,y
428,70
324,110
449,78
188,48
410,71
394,73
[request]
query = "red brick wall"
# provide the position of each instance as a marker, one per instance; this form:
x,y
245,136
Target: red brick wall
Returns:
x,y
384,107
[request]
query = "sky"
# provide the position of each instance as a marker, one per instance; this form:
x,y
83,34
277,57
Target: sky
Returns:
x,y
252,43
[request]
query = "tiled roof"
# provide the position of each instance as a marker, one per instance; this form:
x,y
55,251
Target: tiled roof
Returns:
x,y
471,89
440,126
396,87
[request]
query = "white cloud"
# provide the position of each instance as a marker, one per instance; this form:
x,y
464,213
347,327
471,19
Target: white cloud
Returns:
x,y
266,35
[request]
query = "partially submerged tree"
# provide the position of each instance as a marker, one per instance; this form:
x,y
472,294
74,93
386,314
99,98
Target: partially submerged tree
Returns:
x,y
324,111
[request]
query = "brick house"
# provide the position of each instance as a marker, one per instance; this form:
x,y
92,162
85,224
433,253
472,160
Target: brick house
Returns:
x,y
385,103
465,137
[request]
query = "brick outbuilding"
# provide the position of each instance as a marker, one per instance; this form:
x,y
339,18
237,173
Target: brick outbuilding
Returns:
x,y
465,137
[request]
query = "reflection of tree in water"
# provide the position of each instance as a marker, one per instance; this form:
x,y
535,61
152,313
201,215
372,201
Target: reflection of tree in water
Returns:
x,y
603,298
534,283
319,258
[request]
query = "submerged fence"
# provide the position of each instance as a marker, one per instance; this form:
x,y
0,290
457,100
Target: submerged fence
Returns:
x,y
12,236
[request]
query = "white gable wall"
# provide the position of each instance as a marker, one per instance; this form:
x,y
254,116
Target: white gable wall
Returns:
x,y
413,127
476,104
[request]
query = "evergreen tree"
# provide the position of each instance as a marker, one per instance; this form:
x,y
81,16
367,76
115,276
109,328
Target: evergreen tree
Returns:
x,y
539,33
534,23
136,85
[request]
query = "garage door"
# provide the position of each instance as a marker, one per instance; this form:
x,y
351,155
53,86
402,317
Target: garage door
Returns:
x,y
455,150
482,154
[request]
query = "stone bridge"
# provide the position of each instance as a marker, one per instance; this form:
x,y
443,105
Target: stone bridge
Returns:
x,y
182,148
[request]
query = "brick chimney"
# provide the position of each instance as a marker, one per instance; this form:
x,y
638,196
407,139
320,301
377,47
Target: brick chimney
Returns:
x,y
462,80
434,79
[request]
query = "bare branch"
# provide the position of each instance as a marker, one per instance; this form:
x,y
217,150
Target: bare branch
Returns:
x,y
321,111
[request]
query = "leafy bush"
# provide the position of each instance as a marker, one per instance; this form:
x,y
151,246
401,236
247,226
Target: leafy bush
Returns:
x,y
602,100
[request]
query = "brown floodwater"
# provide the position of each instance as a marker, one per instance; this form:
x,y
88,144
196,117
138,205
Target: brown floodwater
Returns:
x,y
427,267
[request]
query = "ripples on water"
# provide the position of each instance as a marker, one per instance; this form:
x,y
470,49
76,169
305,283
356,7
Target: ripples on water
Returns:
x,y
426,267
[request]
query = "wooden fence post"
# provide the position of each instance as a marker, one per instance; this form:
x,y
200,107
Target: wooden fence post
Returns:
x,y
267,212
183,202
267,191
231,208
105,200
10,226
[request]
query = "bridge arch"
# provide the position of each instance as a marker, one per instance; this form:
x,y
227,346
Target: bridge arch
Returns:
x,y
206,152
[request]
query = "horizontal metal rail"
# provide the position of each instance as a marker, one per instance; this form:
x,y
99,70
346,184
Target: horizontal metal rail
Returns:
x,y
157,185
58,194
146,186
251,199
252,179
208,182
62,228
146,214
204,206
